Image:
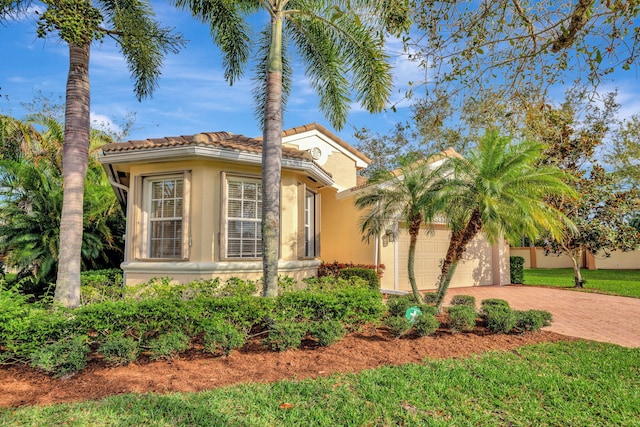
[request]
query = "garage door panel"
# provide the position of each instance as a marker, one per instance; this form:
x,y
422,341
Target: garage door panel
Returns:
x,y
474,269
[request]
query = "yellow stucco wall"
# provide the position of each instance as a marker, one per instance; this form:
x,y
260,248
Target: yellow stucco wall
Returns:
x,y
341,239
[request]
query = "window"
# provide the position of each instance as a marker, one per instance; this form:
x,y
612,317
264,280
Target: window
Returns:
x,y
243,218
164,213
309,224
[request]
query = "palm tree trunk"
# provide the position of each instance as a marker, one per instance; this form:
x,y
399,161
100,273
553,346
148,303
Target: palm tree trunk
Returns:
x,y
75,158
271,162
457,246
414,230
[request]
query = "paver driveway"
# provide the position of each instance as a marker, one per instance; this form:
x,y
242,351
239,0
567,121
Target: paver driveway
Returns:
x,y
590,316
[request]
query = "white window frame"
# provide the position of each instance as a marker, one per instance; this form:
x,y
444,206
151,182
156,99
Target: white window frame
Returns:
x,y
309,224
145,251
228,221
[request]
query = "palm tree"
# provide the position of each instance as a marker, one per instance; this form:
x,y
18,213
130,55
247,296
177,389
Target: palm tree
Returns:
x,y
31,196
411,195
143,43
499,189
343,53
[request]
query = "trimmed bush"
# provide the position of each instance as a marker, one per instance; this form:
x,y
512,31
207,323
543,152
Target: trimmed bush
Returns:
x,y
426,324
119,350
285,334
489,303
398,304
367,274
328,332
499,318
516,267
397,325
464,300
532,320
168,345
430,297
222,337
63,357
462,318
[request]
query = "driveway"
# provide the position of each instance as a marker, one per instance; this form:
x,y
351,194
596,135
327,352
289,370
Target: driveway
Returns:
x,y
585,315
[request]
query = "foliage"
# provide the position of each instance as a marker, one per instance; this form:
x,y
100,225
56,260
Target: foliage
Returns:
x,y
623,153
119,350
599,210
489,303
499,318
164,287
430,297
285,334
523,42
397,325
369,275
426,324
334,268
398,304
327,332
63,357
101,285
222,337
532,320
31,204
167,346
500,190
469,300
462,318
516,269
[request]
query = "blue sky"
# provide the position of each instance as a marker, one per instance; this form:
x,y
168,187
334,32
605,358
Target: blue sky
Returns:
x,y
192,95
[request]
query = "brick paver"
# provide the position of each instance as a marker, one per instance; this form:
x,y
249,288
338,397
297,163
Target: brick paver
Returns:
x,y
590,316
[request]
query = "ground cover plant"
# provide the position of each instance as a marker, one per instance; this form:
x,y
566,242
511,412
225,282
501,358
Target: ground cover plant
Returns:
x,y
566,383
613,282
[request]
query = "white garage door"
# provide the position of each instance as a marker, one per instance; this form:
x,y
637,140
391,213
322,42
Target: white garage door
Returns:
x,y
473,270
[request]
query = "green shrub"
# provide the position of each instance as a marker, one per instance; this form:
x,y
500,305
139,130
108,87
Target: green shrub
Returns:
x,y
63,357
242,311
235,287
327,332
397,325
499,318
119,350
167,346
430,297
334,268
371,276
469,300
398,304
358,306
532,320
222,337
462,318
285,334
427,324
492,302
516,266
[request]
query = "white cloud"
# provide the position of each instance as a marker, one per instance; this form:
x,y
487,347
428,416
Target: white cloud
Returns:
x,y
104,123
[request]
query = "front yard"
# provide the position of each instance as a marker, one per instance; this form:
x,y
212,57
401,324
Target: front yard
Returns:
x,y
567,383
613,282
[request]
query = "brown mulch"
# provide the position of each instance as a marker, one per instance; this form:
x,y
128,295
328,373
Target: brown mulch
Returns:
x,y
195,371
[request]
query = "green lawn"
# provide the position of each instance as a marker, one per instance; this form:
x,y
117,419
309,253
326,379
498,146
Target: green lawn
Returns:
x,y
568,384
614,282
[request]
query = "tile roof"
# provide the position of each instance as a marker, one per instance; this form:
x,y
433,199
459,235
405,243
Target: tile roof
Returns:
x,y
224,140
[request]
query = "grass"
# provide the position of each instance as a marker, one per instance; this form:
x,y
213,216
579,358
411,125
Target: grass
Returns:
x,y
568,383
613,282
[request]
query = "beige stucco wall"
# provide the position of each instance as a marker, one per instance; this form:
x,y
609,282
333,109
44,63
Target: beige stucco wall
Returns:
x,y
205,258
618,261
341,239
541,260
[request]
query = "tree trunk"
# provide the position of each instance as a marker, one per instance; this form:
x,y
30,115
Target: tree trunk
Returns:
x,y
271,162
457,246
577,275
75,159
414,230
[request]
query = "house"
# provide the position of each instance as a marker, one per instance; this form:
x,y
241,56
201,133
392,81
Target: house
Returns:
x,y
193,208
